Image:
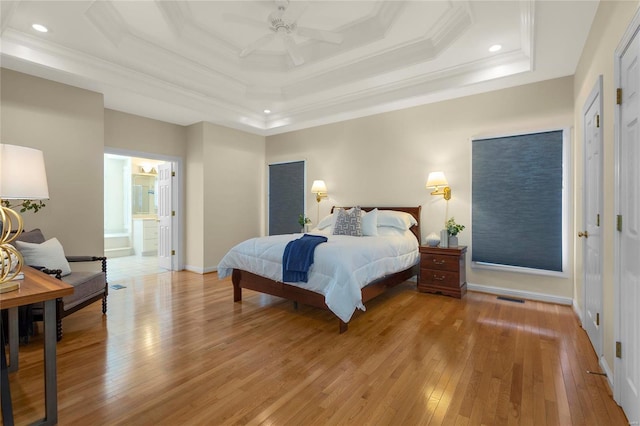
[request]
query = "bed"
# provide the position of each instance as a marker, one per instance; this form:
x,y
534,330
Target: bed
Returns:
x,y
381,263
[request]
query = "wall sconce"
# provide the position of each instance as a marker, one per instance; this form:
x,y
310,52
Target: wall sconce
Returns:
x,y
320,189
437,180
22,177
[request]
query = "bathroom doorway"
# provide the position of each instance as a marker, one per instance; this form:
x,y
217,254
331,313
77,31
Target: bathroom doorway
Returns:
x,y
132,204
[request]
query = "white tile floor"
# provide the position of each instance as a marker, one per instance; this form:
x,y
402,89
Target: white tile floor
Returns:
x,y
122,268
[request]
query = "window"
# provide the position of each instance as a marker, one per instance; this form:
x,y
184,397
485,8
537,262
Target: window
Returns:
x,y
519,202
286,197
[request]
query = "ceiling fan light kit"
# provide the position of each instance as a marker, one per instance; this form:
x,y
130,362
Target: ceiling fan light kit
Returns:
x,y
282,23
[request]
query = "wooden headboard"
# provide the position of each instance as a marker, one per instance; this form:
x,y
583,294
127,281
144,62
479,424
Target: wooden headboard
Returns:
x,y
413,211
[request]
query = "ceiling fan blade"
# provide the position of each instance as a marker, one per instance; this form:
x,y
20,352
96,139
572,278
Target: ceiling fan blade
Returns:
x,y
239,19
322,35
257,44
292,50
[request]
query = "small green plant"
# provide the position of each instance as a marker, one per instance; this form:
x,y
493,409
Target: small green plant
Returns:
x,y
25,205
453,228
303,220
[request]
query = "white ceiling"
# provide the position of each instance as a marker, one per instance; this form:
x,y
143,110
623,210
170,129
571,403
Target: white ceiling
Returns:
x,y
180,61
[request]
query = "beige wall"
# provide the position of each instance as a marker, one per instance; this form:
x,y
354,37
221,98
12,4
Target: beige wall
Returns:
x,y
66,123
135,133
226,168
610,23
385,160
194,200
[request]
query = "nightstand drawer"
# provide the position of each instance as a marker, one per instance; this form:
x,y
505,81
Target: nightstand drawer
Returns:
x,y
440,278
441,262
443,271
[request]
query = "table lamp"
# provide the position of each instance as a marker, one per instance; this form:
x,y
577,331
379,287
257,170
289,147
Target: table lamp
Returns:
x,y
22,177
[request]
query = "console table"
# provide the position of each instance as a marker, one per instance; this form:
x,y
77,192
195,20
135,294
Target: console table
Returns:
x,y
35,287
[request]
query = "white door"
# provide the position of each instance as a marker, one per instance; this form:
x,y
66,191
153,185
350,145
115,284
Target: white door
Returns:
x,y
628,250
592,217
165,216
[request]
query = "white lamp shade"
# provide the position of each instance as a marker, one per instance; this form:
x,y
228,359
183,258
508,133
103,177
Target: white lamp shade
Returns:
x,y
318,187
436,179
22,173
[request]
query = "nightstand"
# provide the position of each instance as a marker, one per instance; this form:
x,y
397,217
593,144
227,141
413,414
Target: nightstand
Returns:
x,y
443,270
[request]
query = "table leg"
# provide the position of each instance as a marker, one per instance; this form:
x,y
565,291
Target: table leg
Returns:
x,y
14,339
50,377
7,408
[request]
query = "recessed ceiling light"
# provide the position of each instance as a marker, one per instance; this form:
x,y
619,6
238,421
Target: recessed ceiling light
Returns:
x,y
39,27
495,48
267,111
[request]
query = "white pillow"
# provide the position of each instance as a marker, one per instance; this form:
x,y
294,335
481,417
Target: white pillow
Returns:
x,y
49,254
390,231
400,220
327,221
370,223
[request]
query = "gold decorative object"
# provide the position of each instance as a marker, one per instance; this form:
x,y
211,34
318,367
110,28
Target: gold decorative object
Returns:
x,y
22,177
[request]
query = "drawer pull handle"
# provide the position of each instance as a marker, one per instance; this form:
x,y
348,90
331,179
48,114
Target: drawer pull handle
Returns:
x,y
437,278
438,262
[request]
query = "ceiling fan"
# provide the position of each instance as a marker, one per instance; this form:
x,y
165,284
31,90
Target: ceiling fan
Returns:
x,y
282,24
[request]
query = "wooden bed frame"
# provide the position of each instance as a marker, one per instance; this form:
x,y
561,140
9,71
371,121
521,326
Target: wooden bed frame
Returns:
x,y
243,279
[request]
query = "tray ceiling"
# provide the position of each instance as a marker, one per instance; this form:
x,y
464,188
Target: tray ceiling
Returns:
x,y
308,62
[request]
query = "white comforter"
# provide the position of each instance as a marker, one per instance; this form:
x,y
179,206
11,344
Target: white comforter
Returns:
x,y
342,265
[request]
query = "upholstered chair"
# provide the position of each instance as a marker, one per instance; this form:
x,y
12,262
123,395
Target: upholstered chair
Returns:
x,y
48,256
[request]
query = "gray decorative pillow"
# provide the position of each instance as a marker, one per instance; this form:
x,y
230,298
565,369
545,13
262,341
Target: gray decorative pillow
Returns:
x,y
348,223
33,236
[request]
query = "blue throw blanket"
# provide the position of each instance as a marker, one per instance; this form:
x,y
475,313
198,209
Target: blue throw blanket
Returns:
x,y
298,257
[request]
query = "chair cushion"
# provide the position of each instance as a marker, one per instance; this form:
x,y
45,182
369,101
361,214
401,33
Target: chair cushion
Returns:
x,y
85,286
33,236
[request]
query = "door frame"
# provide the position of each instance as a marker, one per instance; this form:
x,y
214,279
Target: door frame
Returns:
x,y
633,30
177,200
596,92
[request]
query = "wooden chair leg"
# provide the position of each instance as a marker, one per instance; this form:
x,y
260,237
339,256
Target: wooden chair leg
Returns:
x,y
59,312
104,304
58,329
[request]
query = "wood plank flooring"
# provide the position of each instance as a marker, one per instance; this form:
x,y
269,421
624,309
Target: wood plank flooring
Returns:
x,y
174,349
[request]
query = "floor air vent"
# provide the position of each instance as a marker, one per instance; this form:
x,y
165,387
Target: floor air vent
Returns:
x,y
511,299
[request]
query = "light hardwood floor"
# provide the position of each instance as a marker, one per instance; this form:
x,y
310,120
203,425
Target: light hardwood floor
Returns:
x,y
175,349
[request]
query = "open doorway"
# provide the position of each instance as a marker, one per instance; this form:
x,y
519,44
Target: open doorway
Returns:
x,y
131,216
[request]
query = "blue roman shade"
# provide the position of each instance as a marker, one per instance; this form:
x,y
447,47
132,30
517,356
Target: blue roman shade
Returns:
x,y
286,197
517,201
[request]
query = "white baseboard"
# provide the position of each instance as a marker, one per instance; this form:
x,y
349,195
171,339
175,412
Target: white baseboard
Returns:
x,y
577,310
605,367
195,269
540,297
199,270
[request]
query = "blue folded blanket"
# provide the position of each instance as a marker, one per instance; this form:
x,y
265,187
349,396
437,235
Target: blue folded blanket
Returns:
x,y
298,257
